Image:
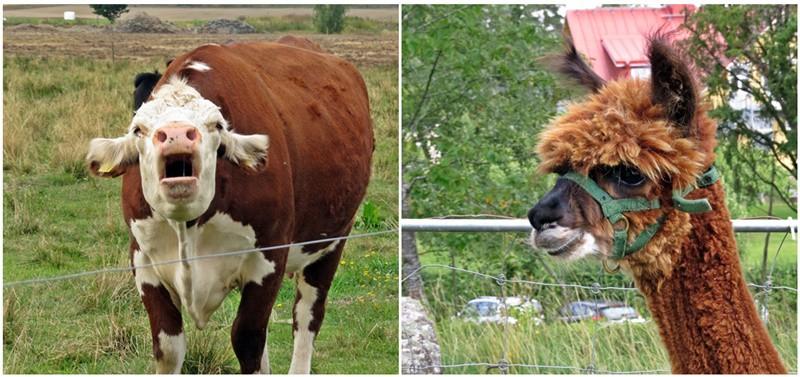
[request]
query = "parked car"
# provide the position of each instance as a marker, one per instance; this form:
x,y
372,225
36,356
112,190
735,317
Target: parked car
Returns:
x,y
491,309
599,310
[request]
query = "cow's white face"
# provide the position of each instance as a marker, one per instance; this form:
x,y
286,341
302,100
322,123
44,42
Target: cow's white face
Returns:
x,y
176,138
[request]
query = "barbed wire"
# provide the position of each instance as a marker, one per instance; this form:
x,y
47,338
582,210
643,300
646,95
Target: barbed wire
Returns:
x,y
189,259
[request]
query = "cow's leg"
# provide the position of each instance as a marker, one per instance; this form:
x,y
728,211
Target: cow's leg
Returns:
x,y
249,332
313,284
166,326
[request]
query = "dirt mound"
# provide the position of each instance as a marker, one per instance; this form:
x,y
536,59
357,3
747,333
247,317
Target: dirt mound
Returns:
x,y
36,28
145,23
223,26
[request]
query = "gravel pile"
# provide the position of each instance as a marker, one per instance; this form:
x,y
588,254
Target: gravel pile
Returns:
x,y
223,26
145,23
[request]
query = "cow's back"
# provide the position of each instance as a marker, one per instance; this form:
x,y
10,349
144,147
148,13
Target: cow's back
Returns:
x,y
315,110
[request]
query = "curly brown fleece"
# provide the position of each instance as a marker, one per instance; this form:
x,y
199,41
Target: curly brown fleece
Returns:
x,y
690,271
706,315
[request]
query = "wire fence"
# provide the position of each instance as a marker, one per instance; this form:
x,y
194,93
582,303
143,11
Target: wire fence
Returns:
x,y
505,363
51,279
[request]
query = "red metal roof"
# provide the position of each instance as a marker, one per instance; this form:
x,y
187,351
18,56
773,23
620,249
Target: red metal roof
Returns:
x,y
614,39
626,50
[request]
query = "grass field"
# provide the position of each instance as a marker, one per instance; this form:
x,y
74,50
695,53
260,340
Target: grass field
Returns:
x,y
194,12
58,221
152,51
362,21
303,24
556,347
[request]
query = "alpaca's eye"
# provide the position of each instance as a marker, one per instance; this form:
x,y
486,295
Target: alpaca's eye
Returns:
x,y
628,176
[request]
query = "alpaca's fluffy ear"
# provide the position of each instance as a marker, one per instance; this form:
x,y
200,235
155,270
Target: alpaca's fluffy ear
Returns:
x,y
570,64
672,84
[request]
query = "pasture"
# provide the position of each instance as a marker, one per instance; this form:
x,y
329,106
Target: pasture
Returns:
x,y
590,345
185,13
60,91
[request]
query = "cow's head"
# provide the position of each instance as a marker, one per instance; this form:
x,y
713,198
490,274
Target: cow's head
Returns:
x,y
176,138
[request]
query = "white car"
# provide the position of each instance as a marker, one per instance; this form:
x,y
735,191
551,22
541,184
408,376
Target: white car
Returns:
x,y
622,314
491,309
600,310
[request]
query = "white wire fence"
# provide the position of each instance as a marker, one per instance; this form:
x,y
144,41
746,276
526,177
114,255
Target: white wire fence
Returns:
x,y
507,363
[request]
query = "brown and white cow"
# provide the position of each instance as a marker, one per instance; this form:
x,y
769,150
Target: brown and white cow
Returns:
x,y
241,146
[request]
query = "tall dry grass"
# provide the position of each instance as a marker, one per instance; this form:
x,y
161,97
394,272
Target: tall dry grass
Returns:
x,y
558,347
49,118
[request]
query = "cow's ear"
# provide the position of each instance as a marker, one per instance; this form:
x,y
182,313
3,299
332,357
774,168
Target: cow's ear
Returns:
x,y
249,151
111,157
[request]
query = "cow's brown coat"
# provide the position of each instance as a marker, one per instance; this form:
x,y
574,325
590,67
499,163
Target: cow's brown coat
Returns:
x,y
315,110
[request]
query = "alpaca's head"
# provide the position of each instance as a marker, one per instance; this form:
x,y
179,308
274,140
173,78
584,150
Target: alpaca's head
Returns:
x,y
633,139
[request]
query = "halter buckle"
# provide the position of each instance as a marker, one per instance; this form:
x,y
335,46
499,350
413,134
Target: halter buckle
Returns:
x,y
622,220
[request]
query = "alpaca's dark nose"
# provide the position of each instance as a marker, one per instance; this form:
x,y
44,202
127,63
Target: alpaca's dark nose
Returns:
x,y
549,209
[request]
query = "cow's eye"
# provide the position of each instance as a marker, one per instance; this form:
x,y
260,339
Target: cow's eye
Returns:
x,y
137,131
219,126
628,176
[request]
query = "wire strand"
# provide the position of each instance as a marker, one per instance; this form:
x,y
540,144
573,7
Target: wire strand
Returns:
x,y
578,286
189,259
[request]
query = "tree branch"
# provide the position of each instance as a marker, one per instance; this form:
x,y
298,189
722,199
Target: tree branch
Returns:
x,y
754,169
412,123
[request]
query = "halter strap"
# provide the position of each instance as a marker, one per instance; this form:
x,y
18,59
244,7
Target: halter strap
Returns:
x,y
708,178
614,209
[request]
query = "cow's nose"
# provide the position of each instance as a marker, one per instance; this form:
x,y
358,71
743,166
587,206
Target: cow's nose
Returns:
x,y
547,211
176,138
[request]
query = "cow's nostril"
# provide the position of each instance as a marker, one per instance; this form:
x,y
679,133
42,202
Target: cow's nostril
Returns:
x,y
191,134
161,136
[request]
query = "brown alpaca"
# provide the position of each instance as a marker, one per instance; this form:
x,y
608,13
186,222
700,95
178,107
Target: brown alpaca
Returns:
x,y
645,139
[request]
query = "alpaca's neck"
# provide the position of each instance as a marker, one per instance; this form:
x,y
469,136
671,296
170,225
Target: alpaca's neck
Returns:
x,y
704,311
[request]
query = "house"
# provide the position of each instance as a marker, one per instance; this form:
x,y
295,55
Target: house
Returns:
x,y
613,40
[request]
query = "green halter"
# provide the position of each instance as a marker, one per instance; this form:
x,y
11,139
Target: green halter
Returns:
x,y
613,209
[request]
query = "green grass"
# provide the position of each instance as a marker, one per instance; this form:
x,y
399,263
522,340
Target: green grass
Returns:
x,y
55,21
302,24
58,221
617,348
782,250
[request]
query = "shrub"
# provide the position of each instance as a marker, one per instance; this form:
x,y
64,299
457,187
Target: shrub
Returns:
x,y
329,19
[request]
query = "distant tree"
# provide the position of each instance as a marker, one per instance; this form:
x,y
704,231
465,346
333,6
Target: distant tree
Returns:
x,y
329,19
111,12
751,49
474,98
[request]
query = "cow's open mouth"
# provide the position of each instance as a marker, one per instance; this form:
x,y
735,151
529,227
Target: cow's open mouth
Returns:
x,y
180,176
179,165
